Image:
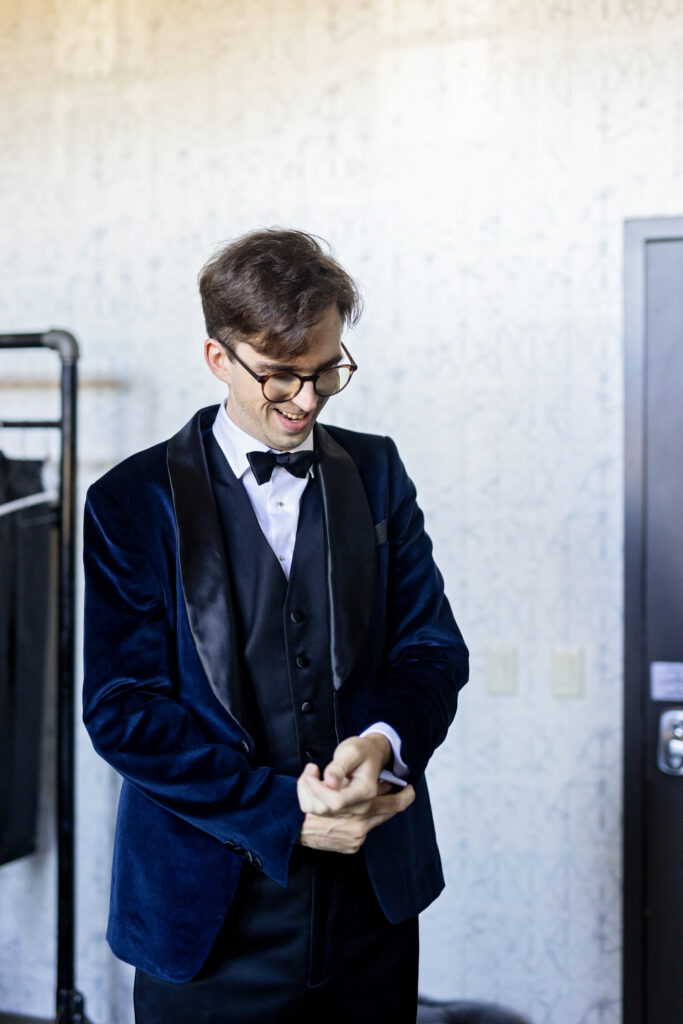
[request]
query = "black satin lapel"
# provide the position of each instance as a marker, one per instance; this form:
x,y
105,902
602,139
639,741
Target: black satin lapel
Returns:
x,y
351,553
203,566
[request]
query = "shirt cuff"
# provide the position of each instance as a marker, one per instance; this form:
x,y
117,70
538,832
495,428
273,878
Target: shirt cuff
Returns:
x,y
398,771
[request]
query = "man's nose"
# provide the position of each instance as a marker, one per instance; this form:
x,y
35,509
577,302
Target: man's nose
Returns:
x,y
307,398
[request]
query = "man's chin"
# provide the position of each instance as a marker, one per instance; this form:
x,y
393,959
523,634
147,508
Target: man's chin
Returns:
x,y
288,443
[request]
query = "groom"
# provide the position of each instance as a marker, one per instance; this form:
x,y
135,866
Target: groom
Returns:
x,y
270,662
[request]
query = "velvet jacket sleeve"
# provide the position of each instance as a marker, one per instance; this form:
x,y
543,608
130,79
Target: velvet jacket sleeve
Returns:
x,y
427,660
137,718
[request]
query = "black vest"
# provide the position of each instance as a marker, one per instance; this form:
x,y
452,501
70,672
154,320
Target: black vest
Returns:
x,y
282,626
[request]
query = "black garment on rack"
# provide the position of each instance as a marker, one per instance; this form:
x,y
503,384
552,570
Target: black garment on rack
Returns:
x,y
25,584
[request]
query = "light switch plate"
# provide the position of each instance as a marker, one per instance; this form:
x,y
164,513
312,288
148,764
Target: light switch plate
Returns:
x,y
501,668
567,672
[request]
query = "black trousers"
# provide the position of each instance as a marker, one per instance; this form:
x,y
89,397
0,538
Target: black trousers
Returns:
x,y
318,952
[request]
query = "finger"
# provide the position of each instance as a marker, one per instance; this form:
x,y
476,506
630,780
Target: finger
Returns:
x,y
354,797
334,775
348,756
385,807
307,801
403,799
338,801
360,783
304,794
324,801
350,801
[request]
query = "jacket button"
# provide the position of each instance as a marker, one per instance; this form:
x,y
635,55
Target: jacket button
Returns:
x,y
306,707
297,616
248,856
302,661
257,862
229,843
245,746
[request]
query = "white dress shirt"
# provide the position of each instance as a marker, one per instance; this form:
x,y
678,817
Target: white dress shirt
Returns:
x,y
276,502
276,505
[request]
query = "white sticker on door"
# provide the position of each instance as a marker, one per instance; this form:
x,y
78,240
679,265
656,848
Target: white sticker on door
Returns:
x,y
666,680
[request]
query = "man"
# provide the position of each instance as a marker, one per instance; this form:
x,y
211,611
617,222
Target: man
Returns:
x,y
270,662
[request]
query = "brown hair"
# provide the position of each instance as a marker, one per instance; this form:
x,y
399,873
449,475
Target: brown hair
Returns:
x,y
276,283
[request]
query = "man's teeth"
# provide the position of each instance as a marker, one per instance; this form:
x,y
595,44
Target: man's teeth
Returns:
x,y
289,416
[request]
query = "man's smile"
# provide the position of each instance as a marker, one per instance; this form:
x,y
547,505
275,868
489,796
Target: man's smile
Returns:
x,y
292,422
291,415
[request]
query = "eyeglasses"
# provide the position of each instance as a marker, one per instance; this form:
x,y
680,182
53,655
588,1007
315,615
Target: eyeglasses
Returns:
x,y
281,387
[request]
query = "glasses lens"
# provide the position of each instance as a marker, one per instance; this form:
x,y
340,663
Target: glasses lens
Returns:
x,y
331,382
281,387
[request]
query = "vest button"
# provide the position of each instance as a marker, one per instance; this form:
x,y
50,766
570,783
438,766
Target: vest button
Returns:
x,y
296,616
306,707
302,661
312,755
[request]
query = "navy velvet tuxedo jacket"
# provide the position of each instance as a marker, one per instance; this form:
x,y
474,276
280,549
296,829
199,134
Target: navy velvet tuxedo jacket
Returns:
x,y
166,703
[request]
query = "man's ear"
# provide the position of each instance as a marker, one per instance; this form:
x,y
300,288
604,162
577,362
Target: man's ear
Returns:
x,y
217,360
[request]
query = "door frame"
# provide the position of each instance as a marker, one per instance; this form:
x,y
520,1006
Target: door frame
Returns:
x,y
637,235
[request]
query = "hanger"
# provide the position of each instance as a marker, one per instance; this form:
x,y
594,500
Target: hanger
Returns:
x,y
42,498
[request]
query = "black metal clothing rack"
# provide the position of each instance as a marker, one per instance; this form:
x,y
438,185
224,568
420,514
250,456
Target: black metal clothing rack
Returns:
x,y
69,1002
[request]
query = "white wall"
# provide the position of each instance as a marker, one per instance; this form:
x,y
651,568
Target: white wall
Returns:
x,y
472,163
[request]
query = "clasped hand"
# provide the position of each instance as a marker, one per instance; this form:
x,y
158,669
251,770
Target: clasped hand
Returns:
x,y
349,800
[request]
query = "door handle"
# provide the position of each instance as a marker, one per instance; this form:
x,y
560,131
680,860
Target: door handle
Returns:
x,y
670,745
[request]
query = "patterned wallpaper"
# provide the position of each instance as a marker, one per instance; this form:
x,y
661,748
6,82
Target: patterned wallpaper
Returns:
x,y
472,163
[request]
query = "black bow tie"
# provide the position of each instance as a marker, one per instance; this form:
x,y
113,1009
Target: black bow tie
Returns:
x,y
263,463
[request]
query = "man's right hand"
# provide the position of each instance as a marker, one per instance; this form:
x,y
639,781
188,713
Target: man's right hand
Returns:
x,y
346,832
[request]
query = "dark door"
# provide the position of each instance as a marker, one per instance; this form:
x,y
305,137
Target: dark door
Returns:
x,y
653,765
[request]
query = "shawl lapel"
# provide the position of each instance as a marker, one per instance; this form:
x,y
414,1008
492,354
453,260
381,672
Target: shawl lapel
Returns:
x,y
351,553
204,570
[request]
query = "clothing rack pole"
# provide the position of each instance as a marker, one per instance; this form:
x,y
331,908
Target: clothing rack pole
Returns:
x,y
69,1002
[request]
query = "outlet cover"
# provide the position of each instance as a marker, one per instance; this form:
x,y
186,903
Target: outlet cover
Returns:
x,y
567,672
501,668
